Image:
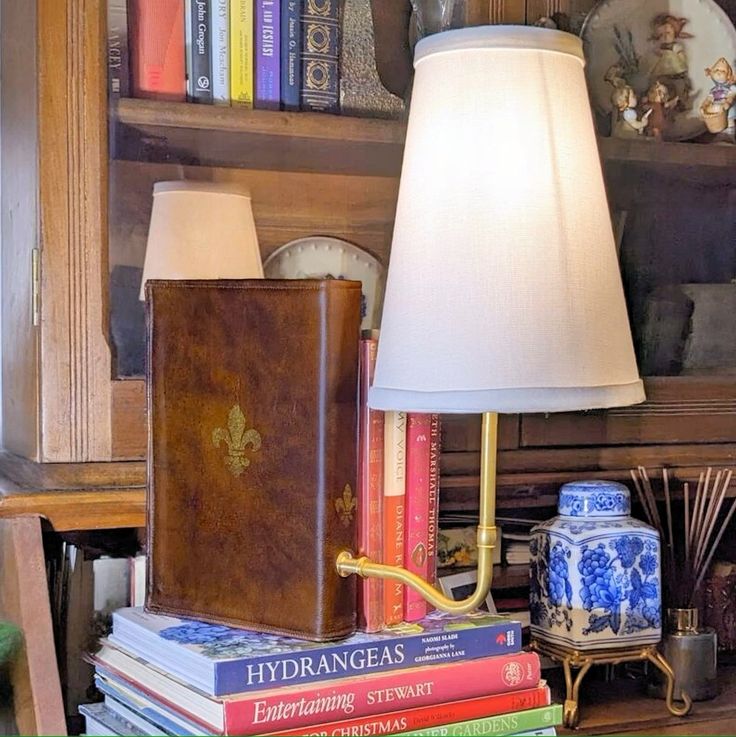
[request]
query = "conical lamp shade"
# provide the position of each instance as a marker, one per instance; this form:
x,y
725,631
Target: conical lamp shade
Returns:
x,y
201,230
503,291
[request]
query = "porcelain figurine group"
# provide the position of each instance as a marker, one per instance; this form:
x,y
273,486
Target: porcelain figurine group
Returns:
x,y
668,89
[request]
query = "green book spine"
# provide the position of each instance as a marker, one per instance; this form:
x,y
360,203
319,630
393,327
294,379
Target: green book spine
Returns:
x,y
503,724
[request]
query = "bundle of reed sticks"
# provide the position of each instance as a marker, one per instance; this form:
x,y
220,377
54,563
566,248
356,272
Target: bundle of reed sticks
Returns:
x,y
687,553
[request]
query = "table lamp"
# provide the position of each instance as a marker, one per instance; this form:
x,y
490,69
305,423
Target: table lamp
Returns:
x,y
503,290
201,230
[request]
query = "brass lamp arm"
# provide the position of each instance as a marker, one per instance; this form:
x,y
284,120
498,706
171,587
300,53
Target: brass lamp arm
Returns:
x,y
347,564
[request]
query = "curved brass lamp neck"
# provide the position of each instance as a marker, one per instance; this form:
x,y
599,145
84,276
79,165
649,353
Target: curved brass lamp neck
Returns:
x,y
347,564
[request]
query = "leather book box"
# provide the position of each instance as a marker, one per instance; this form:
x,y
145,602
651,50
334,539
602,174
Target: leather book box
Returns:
x,y
252,462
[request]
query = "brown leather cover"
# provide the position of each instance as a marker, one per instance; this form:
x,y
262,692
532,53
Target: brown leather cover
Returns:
x,y
252,394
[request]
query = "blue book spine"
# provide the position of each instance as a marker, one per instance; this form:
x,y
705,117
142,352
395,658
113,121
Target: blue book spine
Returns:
x,y
268,57
344,659
220,45
291,68
320,56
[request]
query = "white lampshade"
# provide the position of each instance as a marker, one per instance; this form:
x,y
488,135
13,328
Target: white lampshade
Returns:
x,y
503,291
201,230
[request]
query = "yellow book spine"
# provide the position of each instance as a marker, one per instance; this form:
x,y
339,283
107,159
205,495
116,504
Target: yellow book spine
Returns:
x,y
241,52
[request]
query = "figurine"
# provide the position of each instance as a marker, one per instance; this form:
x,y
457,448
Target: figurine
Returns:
x,y
718,109
625,122
669,61
660,106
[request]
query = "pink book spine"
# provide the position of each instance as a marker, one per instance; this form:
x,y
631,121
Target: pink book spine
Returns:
x,y
394,496
370,493
396,720
416,509
364,696
434,497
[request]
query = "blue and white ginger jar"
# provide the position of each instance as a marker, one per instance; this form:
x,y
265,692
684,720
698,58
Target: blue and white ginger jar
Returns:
x,y
595,572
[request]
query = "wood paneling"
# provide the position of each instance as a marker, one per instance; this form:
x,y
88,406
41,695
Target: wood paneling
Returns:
x,y
19,138
75,358
24,601
129,433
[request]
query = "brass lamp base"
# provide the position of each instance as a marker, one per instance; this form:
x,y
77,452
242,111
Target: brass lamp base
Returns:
x,y
584,659
347,564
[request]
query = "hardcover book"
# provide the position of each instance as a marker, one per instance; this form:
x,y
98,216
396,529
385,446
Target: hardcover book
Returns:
x,y
252,463
299,706
118,69
319,58
406,720
528,721
434,500
199,50
370,493
223,660
157,54
220,45
241,52
394,495
268,56
416,514
291,43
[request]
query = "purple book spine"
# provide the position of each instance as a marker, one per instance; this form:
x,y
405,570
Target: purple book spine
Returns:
x,y
268,72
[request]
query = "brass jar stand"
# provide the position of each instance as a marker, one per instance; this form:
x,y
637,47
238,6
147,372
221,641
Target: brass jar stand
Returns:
x,y
584,659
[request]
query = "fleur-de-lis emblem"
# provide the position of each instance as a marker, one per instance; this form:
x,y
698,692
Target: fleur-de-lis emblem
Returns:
x,y
237,439
346,505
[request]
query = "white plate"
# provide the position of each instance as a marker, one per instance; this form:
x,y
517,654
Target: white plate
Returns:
x,y
713,36
319,257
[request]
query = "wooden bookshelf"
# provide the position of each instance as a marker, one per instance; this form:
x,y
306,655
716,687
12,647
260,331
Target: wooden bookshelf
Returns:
x,y
211,135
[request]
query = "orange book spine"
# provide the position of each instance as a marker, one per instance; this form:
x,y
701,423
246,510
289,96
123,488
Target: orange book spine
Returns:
x,y
370,493
158,56
394,492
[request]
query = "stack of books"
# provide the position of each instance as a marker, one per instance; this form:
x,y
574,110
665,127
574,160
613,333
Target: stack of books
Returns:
x,y
166,676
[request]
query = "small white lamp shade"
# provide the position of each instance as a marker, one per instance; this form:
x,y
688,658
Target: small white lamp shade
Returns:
x,y
503,291
201,230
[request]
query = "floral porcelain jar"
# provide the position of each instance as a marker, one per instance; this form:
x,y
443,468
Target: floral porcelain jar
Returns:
x,y
595,572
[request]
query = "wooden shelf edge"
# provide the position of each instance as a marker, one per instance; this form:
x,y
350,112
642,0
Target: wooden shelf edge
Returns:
x,y
670,154
65,510
340,128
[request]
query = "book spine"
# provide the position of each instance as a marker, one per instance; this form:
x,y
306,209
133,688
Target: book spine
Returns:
x,y
241,52
394,495
198,49
157,55
353,658
320,90
267,63
369,695
434,498
370,493
220,45
118,70
535,721
436,715
291,41
416,513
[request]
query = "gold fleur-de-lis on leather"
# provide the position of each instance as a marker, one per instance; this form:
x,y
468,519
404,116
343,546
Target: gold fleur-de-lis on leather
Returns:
x,y
346,505
237,439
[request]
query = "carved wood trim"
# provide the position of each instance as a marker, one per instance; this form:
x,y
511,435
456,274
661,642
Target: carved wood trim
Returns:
x,y
75,357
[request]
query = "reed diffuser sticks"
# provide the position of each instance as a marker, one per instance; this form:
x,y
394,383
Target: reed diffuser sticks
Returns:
x,y
687,555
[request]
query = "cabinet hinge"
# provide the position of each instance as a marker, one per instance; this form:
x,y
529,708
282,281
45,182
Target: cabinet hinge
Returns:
x,y
35,287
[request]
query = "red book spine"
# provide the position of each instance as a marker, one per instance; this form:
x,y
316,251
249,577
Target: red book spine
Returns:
x,y
434,497
370,493
158,56
394,494
365,696
416,513
431,716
